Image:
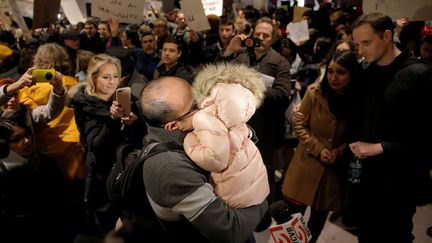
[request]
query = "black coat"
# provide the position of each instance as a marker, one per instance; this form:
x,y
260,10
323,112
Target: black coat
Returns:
x,y
392,112
101,135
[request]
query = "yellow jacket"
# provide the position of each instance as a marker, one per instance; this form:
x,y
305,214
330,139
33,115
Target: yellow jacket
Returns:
x,y
60,137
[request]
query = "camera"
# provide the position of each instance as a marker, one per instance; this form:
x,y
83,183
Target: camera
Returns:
x,y
43,75
251,42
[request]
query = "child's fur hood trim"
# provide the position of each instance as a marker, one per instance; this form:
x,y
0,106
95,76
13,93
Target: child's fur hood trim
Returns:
x,y
228,73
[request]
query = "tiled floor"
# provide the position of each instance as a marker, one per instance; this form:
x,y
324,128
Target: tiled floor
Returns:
x,y
332,233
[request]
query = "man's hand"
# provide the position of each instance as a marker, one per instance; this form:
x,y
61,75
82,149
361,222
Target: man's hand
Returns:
x,y
114,26
235,45
400,24
194,37
363,150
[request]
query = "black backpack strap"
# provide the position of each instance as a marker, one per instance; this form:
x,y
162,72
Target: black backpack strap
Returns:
x,y
156,148
122,152
131,180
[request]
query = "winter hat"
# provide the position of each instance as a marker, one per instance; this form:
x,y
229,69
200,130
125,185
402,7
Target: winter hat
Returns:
x,y
228,73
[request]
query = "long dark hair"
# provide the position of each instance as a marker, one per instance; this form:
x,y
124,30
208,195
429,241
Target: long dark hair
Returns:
x,y
341,104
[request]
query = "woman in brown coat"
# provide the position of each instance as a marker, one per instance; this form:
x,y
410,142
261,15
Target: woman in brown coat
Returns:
x,y
315,176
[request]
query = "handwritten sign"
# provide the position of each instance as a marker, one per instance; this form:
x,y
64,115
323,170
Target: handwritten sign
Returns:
x,y
126,11
195,15
213,7
4,7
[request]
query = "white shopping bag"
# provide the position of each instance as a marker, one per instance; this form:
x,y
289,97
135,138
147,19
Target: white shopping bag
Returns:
x,y
293,231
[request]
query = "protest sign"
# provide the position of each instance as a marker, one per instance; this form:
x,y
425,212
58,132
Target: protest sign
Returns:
x,y
125,11
195,15
298,32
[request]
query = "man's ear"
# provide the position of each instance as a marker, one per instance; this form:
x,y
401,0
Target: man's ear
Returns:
x,y
170,126
388,35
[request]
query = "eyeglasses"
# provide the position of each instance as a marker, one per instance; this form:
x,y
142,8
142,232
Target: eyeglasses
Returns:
x,y
193,109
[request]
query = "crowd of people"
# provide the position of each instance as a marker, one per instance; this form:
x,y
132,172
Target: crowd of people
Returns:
x,y
223,102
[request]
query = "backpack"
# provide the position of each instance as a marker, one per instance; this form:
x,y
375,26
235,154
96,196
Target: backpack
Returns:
x,y
125,183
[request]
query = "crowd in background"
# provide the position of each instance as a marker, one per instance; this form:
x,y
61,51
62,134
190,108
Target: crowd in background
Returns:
x,y
68,129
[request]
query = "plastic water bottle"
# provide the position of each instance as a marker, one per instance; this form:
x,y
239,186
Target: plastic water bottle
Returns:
x,y
354,172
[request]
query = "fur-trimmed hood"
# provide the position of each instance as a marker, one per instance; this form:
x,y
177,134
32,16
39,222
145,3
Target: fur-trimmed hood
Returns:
x,y
228,73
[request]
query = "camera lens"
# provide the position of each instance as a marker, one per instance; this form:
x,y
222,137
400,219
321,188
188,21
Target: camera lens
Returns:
x,y
48,76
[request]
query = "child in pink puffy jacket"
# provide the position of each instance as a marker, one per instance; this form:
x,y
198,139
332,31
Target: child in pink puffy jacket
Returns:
x,y
227,96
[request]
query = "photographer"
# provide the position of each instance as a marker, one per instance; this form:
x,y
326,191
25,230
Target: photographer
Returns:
x,y
269,119
9,98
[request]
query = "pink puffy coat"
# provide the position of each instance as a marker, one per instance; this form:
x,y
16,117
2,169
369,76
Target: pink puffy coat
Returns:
x,y
220,144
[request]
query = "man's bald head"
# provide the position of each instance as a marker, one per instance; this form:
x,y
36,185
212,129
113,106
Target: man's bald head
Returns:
x,y
164,99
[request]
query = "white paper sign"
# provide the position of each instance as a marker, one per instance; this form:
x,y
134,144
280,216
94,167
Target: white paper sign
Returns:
x,y
25,7
4,7
125,11
157,5
213,7
20,19
298,31
268,80
73,11
195,15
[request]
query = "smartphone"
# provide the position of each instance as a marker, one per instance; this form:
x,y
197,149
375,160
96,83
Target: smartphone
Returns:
x,y
43,75
123,96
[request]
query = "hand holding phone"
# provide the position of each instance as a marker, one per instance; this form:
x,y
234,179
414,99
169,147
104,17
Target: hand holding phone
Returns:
x,y
251,42
43,75
123,97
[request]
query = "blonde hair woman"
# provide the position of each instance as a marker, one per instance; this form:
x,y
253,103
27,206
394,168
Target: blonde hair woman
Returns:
x,y
99,119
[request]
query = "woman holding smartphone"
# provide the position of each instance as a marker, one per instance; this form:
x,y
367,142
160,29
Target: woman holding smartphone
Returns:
x,y
100,119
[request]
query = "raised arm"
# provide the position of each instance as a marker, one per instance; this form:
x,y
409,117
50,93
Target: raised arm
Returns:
x,y
46,113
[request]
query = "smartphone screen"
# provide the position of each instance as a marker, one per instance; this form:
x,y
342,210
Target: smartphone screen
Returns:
x,y
123,96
